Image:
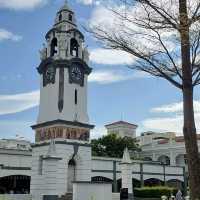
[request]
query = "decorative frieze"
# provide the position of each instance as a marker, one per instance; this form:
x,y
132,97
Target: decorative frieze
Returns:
x,y
62,132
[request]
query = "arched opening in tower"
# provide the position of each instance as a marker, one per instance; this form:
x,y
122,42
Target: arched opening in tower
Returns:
x,y
60,17
70,17
74,47
54,47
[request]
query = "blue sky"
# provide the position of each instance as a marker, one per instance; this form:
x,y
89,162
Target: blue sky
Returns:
x,y
115,92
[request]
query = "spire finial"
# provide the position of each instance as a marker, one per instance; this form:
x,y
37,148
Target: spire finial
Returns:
x,y
65,5
126,157
122,116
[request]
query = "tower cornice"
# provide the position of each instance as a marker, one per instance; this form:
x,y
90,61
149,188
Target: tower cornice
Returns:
x,y
63,64
62,122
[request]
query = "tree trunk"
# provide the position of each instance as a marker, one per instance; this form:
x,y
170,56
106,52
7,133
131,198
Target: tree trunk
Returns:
x,y
189,128
190,136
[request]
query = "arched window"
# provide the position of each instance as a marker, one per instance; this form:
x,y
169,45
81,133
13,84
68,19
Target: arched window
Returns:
x,y
71,174
70,17
60,17
54,47
74,47
40,168
164,160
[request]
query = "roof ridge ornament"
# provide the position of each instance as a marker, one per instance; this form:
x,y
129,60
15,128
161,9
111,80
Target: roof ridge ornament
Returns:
x,y
65,6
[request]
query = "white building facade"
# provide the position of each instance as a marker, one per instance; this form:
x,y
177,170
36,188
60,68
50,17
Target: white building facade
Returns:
x,y
166,148
122,129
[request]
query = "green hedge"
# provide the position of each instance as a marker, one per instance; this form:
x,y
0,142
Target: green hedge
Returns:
x,y
154,192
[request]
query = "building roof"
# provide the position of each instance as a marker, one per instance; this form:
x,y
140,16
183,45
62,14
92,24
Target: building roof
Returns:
x,y
181,138
177,139
121,123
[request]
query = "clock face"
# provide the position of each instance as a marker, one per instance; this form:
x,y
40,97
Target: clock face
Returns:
x,y
76,74
49,75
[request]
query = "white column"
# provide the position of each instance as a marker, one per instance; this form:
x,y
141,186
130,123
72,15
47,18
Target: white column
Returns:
x,y
126,169
154,157
172,158
51,181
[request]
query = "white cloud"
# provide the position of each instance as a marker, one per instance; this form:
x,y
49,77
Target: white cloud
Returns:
x,y
19,102
175,107
89,2
171,124
112,76
98,132
110,57
21,4
7,35
174,123
102,16
86,2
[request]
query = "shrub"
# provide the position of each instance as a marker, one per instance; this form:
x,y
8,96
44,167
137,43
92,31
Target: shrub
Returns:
x,y
154,192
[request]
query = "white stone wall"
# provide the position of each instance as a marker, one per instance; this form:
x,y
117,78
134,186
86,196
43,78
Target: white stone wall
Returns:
x,y
15,160
83,166
54,179
93,191
115,196
10,159
103,167
86,168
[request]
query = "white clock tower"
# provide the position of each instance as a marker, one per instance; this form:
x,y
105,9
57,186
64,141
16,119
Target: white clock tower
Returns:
x,y
62,153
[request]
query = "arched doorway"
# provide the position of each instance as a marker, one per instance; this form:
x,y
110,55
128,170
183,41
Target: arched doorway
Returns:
x,y
147,159
16,184
153,182
119,184
71,175
175,184
136,183
102,179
